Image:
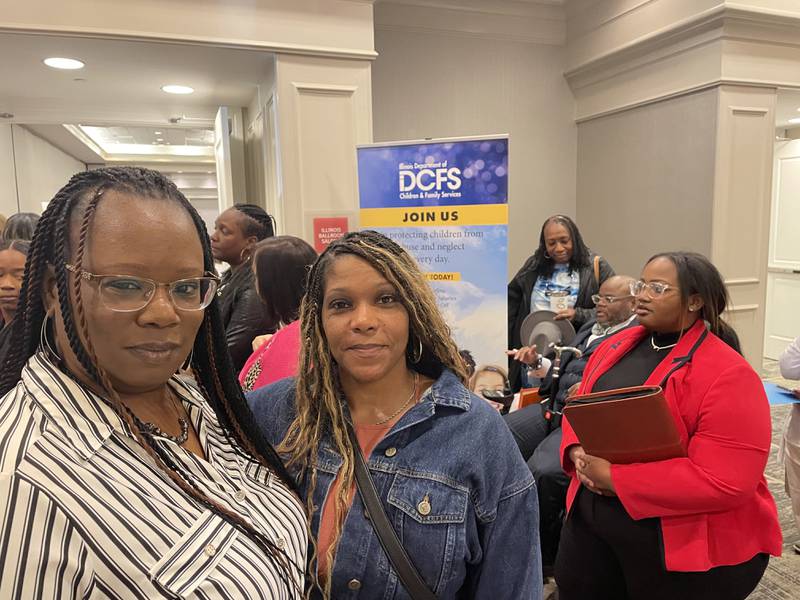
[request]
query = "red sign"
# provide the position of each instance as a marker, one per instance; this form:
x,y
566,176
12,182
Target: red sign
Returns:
x,y
328,229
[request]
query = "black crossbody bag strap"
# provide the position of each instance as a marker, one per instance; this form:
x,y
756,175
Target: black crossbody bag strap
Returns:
x,y
405,569
684,360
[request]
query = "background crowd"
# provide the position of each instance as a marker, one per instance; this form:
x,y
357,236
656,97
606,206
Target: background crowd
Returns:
x,y
126,358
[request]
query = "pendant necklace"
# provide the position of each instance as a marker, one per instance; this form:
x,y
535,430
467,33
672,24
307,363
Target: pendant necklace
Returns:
x,y
406,403
155,431
660,348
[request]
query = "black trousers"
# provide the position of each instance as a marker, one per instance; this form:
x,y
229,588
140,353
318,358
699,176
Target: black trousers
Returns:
x,y
606,555
540,448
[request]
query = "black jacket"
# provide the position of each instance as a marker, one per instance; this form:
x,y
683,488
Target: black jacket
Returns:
x,y
571,370
519,303
243,314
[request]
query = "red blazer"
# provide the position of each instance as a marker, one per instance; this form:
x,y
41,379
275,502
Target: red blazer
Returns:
x,y
714,505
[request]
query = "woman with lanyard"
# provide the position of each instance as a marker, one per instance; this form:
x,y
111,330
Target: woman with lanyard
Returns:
x,y
562,275
117,478
236,232
383,384
699,527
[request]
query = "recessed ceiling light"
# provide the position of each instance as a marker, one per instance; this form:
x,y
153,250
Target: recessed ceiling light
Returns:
x,y
794,121
159,139
158,132
177,89
64,63
181,172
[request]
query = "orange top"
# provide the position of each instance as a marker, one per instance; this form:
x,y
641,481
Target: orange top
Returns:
x,y
368,437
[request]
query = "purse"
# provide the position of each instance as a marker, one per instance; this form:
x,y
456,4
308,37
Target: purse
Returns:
x,y
405,569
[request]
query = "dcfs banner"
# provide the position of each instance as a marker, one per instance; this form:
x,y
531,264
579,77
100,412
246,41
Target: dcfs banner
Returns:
x,y
446,201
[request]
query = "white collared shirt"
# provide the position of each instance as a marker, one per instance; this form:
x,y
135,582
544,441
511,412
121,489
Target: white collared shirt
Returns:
x,y
85,512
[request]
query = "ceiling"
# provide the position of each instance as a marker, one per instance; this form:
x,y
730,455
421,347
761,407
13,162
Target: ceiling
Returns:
x,y
788,107
119,142
122,80
112,109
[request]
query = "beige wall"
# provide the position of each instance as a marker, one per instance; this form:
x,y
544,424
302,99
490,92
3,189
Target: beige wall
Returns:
x,y
438,85
41,170
646,180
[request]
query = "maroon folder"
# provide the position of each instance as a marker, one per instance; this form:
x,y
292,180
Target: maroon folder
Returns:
x,y
627,425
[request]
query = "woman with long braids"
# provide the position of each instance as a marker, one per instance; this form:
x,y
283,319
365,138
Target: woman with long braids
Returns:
x,y
377,357
236,233
117,478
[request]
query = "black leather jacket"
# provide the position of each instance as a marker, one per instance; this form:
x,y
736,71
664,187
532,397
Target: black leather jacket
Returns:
x,y
243,314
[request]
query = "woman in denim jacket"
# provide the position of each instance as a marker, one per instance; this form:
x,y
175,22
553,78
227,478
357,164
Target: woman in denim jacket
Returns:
x,y
378,354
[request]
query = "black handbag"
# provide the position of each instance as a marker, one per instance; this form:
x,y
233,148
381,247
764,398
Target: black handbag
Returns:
x,y
405,569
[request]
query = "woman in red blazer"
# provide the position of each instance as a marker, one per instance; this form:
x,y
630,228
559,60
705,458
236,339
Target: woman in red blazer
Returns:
x,y
696,527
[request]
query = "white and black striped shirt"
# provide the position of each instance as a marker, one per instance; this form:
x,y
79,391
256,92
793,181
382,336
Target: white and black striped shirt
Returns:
x,y
85,513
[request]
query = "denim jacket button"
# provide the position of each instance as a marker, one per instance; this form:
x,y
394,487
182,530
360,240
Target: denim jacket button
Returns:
x,y
424,507
354,584
390,452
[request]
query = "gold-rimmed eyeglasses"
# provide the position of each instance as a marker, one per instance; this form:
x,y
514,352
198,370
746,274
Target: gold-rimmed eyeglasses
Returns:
x,y
128,293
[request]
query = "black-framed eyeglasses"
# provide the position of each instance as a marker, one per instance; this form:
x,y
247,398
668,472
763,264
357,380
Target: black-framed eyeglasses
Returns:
x,y
127,293
596,298
655,289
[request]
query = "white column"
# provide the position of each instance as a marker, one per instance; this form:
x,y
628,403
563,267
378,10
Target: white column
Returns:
x,y
324,110
741,207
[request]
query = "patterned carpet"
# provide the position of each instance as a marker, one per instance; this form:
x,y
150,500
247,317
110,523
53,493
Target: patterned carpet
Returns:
x,y
782,579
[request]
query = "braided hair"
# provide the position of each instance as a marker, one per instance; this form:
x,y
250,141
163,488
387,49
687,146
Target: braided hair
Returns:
x,y
209,360
257,223
319,399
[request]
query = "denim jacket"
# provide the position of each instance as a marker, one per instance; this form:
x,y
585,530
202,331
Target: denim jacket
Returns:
x,y
477,535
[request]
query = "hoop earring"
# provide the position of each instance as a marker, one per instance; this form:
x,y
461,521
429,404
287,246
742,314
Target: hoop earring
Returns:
x,y
187,364
242,257
546,255
44,341
417,356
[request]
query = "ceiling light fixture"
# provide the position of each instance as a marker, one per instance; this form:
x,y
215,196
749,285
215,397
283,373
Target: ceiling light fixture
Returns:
x,y
794,121
159,139
69,64
158,132
177,89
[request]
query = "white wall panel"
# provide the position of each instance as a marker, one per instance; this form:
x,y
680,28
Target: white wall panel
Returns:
x,y
435,85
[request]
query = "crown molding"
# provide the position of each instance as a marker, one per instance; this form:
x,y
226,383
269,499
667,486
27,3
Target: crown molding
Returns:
x,y
528,21
780,22
725,45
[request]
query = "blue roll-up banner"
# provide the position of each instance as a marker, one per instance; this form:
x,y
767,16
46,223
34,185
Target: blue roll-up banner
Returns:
x,y
446,201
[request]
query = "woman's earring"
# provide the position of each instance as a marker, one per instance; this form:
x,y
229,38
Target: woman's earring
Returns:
x,y
417,355
546,255
187,364
44,341
242,256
